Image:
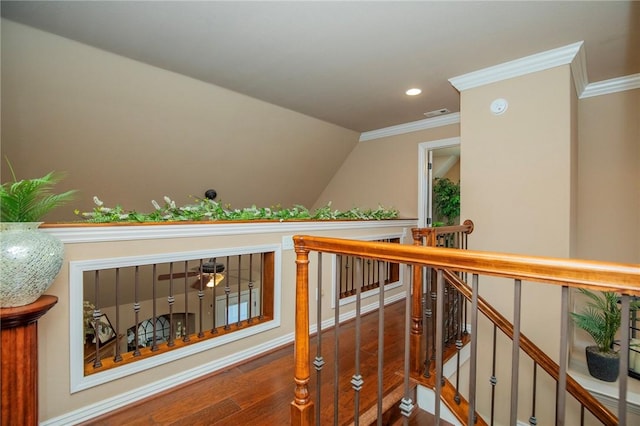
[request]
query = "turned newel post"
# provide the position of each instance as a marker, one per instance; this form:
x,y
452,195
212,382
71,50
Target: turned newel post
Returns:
x,y
417,344
302,407
20,361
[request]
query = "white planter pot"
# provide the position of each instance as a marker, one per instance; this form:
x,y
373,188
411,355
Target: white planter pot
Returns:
x,y
29,262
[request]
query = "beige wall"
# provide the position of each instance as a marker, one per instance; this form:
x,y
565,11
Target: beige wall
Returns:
x,y
517,187
130,133
383,171
609,177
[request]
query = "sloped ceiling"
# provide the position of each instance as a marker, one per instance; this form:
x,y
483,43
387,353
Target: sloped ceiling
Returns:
x,y
347,63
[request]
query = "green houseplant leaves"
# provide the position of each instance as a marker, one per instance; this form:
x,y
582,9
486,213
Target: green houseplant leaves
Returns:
x,y
28,200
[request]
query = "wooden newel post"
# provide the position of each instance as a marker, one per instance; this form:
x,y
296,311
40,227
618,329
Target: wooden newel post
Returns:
x,y
20,361
417,351
302,413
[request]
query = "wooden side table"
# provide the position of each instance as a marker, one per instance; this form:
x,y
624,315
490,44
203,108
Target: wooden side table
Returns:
x,y
19,361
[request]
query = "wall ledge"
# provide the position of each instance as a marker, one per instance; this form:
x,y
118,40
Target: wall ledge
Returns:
x,y
90,233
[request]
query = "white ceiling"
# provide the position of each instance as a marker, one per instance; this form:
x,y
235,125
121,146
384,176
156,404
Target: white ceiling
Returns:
x,y
348,63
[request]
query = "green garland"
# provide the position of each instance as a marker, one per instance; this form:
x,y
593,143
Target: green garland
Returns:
x,y
209,210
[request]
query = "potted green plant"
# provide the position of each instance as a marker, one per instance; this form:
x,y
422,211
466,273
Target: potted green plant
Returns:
x,y
29,259
601,319
446,201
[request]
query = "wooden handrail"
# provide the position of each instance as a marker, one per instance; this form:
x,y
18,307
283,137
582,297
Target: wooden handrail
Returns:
x,y
536,354
604,276
595,275
465,228
426,237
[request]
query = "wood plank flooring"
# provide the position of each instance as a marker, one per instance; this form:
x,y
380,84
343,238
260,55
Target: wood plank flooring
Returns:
x,y
260,391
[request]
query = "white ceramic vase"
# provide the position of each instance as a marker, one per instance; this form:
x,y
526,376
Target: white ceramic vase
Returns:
x,y
29,262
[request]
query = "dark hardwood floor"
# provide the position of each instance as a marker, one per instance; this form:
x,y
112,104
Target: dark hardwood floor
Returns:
x,y
260,391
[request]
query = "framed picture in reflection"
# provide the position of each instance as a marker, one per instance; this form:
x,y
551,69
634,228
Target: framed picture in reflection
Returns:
x,y
104,330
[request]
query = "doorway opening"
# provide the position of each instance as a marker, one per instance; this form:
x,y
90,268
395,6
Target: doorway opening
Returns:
x,y
436,159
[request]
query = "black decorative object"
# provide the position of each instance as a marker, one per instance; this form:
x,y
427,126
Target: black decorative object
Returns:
x,y
210,194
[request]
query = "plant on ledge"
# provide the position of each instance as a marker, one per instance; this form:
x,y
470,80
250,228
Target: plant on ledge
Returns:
x,y
28,200
601,319
29,259
210,210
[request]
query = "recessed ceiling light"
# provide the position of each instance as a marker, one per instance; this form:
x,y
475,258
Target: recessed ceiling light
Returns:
x,y
413,92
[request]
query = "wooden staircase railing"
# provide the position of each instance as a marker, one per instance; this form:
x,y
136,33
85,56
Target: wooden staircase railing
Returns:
x,y
422,347
566,273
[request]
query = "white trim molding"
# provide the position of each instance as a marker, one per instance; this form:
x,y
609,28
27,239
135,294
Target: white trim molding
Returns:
x,y
423,180
613,85
78,380
413,126
527,65
120,232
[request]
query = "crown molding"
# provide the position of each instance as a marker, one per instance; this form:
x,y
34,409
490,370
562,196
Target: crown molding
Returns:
x,y
613,85
570,54
579,70
413,126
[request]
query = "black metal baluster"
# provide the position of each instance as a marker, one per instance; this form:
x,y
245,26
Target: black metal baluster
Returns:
x,y
434,313
362,270
456,397
473,361
426,308
353,278
533,421
624,360
136,311
96,319
201,287
118,355
171,300
214,300
154,341
515,351
561,388
261,285
187,331
227,291
428,323
250,313
493,380
239,323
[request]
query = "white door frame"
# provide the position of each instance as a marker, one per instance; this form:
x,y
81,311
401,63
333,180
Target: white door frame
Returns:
x,y
424,184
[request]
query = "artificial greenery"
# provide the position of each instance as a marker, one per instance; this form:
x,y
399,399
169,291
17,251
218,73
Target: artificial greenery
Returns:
x,y
206,209
28,200
600,318
446,200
